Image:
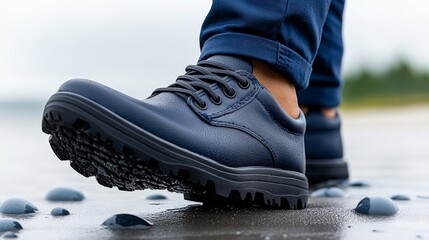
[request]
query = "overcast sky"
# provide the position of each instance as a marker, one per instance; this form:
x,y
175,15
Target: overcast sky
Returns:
x,y
136,46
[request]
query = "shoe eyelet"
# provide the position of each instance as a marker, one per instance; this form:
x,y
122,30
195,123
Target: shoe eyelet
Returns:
x,y
244,86
230,95
202,107
217,102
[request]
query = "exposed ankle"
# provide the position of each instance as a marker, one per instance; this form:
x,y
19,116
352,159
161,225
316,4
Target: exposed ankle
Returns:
x,y
327,112
282,89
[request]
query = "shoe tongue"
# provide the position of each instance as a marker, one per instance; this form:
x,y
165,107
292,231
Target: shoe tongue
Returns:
x,y
234,63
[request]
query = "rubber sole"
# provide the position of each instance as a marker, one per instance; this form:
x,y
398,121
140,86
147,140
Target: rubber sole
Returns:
x,y
118,153
320,170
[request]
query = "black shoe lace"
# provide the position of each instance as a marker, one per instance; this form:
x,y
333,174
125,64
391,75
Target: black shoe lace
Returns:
x,y
200,77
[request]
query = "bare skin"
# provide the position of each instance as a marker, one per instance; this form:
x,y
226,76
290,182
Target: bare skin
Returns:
x,y
279,86
283,90
328,112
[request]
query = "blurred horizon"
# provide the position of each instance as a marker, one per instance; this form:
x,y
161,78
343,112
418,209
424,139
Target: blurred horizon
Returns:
x,y
137,46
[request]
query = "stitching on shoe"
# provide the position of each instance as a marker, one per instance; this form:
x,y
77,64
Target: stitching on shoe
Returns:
x,y
251,133
242,102
275,121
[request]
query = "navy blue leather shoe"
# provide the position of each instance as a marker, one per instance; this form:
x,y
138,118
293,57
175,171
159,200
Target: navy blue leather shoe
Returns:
x,y
216,134
324,149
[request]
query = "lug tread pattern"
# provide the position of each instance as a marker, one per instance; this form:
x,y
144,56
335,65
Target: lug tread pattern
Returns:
x,y
114,164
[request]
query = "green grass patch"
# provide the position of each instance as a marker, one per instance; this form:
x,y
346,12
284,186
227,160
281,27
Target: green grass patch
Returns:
x,y
398,85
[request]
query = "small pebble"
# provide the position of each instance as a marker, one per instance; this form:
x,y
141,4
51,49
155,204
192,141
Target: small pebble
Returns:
x,y
267,237
359,184
343,183
156,197
17,206
330,192
375,205
9,235
64,194
59,211
423,196
400,197
8,224
126,221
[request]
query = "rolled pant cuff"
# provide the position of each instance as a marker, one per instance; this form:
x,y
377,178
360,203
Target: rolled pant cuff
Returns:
x,y
280,57
326,97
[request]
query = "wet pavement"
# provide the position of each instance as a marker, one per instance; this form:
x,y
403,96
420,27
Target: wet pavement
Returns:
x,y
387,150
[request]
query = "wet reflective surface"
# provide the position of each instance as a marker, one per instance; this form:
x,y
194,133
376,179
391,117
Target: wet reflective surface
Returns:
x,y
386,149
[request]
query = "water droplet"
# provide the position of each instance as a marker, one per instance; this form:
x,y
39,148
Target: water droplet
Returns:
x,y
359,184
64,194
156,197
332,192
126,221
401,197
8,224
59,211
17,206
375,205
9,235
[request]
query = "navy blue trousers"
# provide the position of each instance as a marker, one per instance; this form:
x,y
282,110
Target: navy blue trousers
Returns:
x,y
300,38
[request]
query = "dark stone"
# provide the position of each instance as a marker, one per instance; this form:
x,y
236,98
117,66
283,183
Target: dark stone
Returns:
x,y
58,211
379,206
64,194
363,206
9,235
8,224
127,221
330,192
401,197
17,206
156,197
359,184
423,196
